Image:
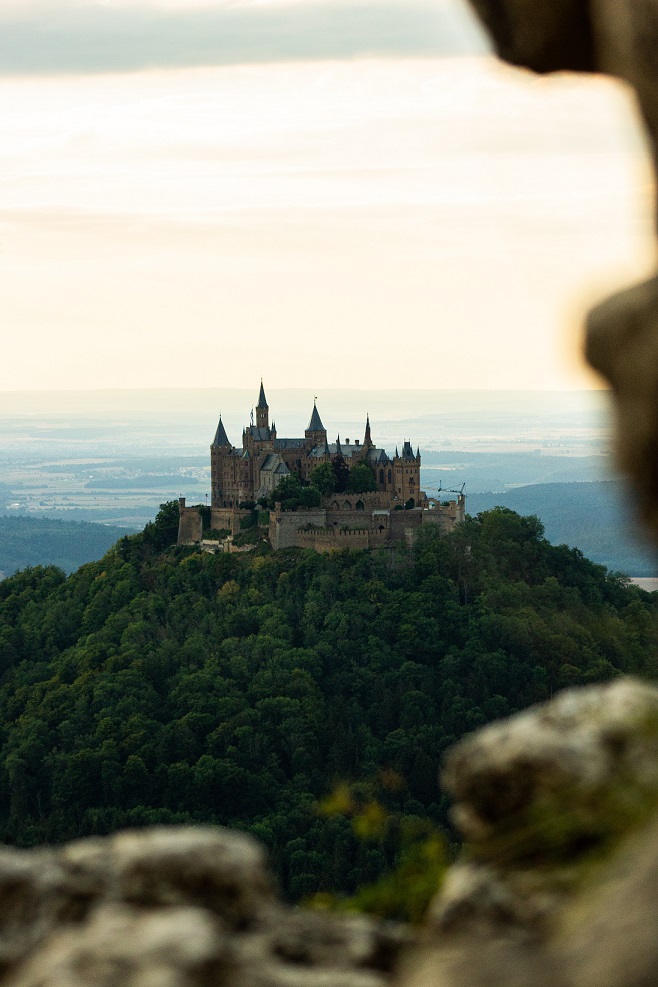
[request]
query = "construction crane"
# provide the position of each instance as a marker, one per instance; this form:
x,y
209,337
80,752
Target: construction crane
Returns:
x,y
441,489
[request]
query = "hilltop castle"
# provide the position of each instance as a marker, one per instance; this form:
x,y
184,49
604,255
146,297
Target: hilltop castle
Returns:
x,y
240,477
247,474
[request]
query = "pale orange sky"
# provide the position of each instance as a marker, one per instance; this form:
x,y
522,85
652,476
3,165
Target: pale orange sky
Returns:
x,y
346,221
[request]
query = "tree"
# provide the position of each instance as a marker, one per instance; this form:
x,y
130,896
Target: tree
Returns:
x,y
324,479
341,473
362,479
287,493
309,497
163,532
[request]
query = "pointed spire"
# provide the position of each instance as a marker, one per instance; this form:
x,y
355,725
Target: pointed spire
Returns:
x,y
397,455
221,438
367,439
339,451
417,452
315,424
262,403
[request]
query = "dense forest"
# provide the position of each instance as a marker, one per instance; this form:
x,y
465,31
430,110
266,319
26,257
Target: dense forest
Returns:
x,y
160,684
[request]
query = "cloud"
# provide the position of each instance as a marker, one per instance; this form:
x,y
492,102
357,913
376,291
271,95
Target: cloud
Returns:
x,y
46,38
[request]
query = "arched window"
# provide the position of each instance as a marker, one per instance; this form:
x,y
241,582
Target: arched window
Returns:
x,y
390,476
381,476
360,506
347,506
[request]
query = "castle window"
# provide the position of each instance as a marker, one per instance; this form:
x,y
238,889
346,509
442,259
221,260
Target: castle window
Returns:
x,y
381,476
390,476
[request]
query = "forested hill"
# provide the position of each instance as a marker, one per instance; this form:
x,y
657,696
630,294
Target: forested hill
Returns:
x,y
26,540
160,684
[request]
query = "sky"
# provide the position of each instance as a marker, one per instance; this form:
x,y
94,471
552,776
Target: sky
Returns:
x,y
325,194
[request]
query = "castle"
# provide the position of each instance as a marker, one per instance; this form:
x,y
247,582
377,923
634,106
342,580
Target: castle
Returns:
x,y
240,478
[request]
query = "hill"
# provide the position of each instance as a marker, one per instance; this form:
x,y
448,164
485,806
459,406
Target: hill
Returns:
x,y
27,541
594,517
160,684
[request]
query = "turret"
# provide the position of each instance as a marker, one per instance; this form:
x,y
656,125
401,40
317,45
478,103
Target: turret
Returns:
x,y
220,454
406,475
221,438
316,433
262,410
367,439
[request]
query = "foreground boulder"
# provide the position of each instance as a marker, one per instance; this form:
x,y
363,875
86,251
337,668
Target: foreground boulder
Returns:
x,y
173,907
559,879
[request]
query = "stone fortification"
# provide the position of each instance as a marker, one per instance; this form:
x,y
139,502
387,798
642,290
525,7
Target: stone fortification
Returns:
x,y
342,526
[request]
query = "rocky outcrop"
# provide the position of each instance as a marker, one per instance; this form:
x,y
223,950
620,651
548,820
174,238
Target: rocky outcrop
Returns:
x,y
559,880
557,885
173,907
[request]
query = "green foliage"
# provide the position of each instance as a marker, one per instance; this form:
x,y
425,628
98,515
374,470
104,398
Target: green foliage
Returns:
x,y
323,479
287,493
163,532
405,891
170,685
362,479
341,474
218,534
205,514
250,535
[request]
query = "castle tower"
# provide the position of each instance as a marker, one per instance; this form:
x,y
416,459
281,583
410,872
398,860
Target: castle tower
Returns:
x,y
220,450
406,476
262,410
316,433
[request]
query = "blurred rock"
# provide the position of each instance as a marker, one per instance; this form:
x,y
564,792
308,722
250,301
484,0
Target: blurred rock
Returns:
x,y
174,907
559,881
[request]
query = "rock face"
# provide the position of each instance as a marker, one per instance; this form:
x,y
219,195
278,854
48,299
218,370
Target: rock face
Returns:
x,y
173,908
559,883
619,37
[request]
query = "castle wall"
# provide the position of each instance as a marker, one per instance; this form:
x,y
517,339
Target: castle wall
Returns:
x,y
284,525
224,517
375,500
335,539
190,524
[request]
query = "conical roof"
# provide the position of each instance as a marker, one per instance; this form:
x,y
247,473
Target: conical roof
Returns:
x,y
262,403
221,438
315,424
